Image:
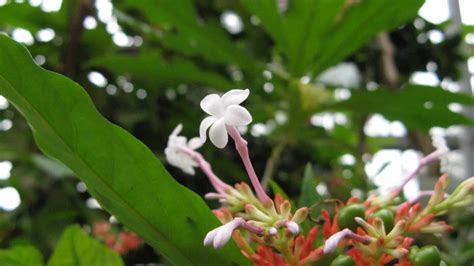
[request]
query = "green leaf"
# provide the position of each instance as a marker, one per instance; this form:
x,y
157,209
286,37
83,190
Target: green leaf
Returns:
x,y
21,256
75,248
151,68
315,34
267,12
119,171
418,107
277,189
359,23
308,195
26,16
356,24
308,25
52,167
181,30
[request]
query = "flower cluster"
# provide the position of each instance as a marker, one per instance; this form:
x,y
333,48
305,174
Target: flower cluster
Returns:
x,y
268,231
120,242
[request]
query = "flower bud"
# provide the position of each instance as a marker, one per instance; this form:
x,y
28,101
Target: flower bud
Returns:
x,y
347,214
343,260
372,231
300,215
426,256
256,214
285,209
387,218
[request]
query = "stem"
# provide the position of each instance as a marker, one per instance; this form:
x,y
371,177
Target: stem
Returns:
x,y
71,54
242,149
271,164
216,182
423,162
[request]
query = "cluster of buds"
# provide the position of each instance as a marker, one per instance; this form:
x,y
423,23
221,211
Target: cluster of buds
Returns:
x,y
120,242
268,231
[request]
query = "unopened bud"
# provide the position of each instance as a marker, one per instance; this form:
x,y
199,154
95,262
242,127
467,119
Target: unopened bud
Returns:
x,y
285,209
272,231
300,215
256,214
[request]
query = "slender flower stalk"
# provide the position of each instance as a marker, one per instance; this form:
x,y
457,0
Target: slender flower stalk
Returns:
x,y
426,193
216,182
242,149
423,162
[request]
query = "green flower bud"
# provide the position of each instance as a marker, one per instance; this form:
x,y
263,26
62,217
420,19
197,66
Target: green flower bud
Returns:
x,y
345,218
387,218
343,260
426,256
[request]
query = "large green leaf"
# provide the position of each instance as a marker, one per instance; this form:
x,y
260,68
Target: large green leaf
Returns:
x,y
120,171
75,248
418,107
21,256
315,34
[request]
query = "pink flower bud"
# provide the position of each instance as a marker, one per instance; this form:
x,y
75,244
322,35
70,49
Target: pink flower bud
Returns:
x,y
221,235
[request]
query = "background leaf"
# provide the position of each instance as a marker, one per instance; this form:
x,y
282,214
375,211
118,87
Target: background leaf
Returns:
x,y
75,248
21,256
418,107
119,171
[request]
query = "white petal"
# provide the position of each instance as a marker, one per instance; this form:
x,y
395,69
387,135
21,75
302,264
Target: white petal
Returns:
x,y
225,232
218,134
212,105
177,130
293,227
331,243
188,169
210,237
195,143
236,115
205,124
221,239
234,97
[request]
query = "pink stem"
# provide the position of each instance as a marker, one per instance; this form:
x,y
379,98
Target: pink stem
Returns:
x,y
423,162
426,193
216,182
242,149
252,228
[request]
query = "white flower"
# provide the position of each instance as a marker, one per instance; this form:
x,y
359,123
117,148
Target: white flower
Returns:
x,y
175,151
224,111
221,235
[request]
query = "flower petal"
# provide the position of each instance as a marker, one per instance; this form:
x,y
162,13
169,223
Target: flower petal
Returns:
x,y
225,232
212,105
177,130
205,124
234,97
236,115
210,237
218,134
195,143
